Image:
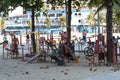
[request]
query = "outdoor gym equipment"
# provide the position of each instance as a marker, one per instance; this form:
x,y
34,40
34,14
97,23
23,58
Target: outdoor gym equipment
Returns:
x,y
38,55
12,49
13,52
64,50
4,46
116,53
101,49
89,53
114,57
79,44
56,53
41,53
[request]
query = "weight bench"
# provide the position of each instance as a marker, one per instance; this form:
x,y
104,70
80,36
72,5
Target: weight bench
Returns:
x,y
53,57
12,52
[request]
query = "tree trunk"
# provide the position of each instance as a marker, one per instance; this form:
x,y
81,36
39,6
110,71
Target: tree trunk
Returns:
x,y
33,32
109,31
69,21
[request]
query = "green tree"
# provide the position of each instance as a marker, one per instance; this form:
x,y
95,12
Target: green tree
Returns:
x,y
108,4
33,5
68,3
116,14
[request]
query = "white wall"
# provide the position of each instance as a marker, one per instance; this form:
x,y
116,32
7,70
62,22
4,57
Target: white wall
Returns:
x,y
17,11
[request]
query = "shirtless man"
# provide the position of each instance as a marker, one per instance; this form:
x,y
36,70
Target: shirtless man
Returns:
x,y
15,40
15,43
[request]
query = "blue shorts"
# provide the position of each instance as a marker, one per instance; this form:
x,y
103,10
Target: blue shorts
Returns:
x,y
84,38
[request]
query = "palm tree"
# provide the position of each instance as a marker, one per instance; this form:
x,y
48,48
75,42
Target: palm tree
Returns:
x,y
62,20
90,20
29,23
2,23
47,22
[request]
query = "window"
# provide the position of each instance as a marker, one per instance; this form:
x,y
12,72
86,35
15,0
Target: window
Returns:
x,y
43,15
79,20
79,13
51,15
58,15
75,13
63,7
47,6
41,22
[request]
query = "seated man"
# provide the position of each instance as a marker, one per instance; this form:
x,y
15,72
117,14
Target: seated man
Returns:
x,y
5,41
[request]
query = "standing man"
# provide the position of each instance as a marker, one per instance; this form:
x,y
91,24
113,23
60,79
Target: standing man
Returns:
x,y
15,43
15,40
84,35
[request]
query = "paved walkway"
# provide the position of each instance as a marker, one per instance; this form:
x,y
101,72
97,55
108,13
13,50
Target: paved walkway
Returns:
x,y
107,76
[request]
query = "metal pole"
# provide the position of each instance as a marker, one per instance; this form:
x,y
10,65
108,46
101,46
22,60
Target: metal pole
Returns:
x,y
114,57
22,53
3,51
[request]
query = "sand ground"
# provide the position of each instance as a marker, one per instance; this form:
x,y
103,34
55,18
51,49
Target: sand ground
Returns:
x,y
16,69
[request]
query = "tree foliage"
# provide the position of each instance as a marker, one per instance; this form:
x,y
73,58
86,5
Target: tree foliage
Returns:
x,y
100,4
62,20
116,11
90,19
